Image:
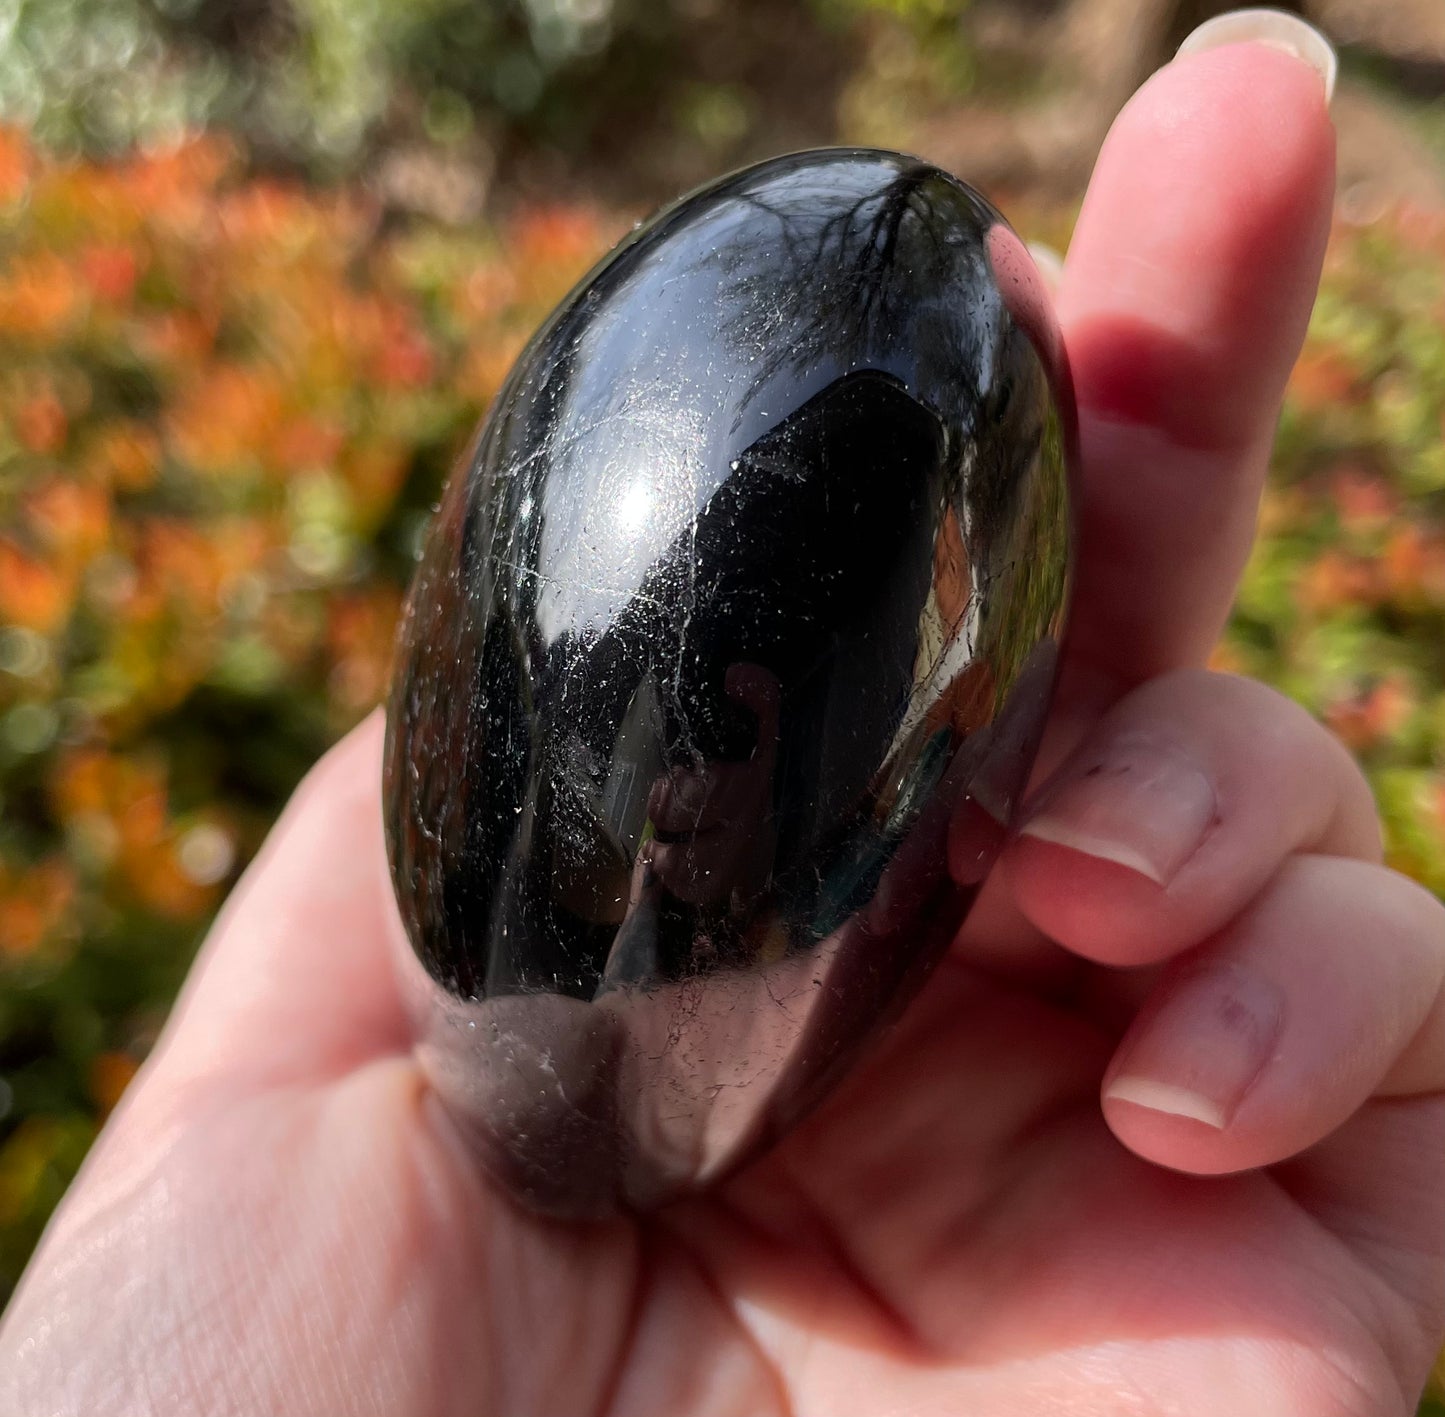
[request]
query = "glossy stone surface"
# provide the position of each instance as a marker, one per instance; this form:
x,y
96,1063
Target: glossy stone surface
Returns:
x,y
723,668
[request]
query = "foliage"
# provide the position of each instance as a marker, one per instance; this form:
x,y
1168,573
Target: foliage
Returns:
x,y
1343,606
915,59
313,79
226,405
320,82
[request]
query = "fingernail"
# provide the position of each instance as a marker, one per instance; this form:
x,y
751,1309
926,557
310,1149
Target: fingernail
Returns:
x,y
1276,28
1199,1050
1139,804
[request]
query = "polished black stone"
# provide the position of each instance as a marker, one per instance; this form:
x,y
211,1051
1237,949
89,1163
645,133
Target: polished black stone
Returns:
x,y
723,668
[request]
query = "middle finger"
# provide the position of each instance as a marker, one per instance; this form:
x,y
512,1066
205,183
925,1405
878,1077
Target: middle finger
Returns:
x,y
1176,810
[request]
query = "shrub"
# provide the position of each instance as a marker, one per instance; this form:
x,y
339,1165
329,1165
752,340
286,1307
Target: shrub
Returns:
x,y
1343,606
226,406
316,82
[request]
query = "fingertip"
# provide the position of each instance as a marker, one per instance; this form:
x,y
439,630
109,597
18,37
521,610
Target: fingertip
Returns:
x,y
1101,909
1184,1130
1173,1129
1322,995
1247,119
298,971
1093,863
1155,1099
351,766
1186,296
1176,1088
1276,28
1262,119
1203,230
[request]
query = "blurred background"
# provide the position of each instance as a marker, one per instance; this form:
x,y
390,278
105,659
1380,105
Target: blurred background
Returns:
x,y
263,263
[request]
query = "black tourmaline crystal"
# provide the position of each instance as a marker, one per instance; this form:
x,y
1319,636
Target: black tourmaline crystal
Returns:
x,y
723,669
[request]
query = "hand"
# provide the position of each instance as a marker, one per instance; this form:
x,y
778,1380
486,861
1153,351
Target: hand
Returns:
x,y
279,1219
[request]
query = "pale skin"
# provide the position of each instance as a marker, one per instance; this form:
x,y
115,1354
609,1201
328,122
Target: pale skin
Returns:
x,y
281,1219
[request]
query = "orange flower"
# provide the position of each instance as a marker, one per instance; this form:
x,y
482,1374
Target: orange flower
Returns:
x,y
111,273
1322,379
553,246
33,593
128,798
38,296
84,199
178,338
125,455
1336,580
305,442
268,218
1365,501
40,423
360,634
226,417
405,359
80,784
486,367
17,161
146,855
1412,566
265,213
1419,228
33,905
162,885
485,292
178,560
1225,658
70,518
1373,715
110,1075
176,188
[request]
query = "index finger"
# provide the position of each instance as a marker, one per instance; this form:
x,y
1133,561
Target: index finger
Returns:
x,y
1184,302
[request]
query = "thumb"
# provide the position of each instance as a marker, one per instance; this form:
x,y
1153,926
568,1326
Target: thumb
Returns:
x,y
296,980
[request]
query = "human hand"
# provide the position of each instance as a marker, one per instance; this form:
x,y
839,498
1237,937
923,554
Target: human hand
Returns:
x,y
280,1219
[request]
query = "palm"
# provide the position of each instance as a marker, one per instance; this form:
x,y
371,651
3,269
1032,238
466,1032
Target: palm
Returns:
x,y
989,1247
993,1248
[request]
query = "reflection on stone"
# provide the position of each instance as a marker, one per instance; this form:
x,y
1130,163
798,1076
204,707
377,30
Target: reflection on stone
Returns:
x,y
724,668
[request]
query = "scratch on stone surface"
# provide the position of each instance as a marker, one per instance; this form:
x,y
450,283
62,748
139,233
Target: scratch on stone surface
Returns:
x,y
780,1002
545,579
689,605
